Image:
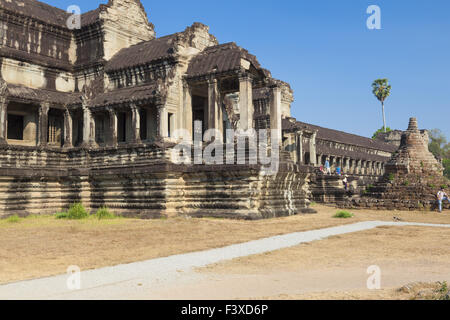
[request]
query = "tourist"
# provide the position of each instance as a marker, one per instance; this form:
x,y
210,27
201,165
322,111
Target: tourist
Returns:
x,y
327,167
338,171
441,195
345,181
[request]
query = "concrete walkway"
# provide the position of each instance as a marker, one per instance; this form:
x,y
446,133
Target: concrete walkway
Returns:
x,y
137,280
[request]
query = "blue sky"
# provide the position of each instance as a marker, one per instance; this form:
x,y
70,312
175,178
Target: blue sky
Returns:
x,y
325,51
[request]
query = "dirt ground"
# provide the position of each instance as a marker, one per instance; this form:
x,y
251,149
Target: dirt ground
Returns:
x,y
43,246
336,268
412,291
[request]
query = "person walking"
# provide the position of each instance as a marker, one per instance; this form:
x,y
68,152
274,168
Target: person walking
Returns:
x,y
327,167
441,196
345,181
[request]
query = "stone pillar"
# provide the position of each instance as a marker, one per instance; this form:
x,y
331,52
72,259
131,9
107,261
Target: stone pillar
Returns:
x,y
246,108
347,165
68,125
135,124
113,127
299,144
187,109
163,125
213,105
275,112
358,167
43,124
87,127
312,149
3,120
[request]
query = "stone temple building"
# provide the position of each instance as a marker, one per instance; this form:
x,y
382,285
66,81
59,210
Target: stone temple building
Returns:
x,y
93,113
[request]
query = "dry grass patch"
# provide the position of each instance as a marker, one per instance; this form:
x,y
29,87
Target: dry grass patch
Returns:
x,y
42,246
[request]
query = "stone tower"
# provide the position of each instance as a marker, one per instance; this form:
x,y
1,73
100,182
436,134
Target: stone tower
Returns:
x,y
412,178
413,156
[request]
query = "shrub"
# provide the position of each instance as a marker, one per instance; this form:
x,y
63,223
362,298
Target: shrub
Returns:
x,y
391,177
75,212
406,183
444,186
13,219
343,215
61,215
104,213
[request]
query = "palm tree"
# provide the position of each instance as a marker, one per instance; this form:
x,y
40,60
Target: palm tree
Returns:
x,y
382,90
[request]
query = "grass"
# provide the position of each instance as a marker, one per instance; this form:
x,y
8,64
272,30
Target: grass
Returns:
x,y
13,219
343,215
104,214
391,177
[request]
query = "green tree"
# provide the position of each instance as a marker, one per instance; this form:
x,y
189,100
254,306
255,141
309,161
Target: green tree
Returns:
x,y
382,89
441,149
438,144
375,135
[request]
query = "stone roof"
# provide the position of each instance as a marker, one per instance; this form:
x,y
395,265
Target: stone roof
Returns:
x,y
47,13
43,95
37,10
137,94
220,58
90,17
340,136
143,53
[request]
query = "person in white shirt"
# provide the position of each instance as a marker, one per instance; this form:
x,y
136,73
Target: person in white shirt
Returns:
x,y
441,195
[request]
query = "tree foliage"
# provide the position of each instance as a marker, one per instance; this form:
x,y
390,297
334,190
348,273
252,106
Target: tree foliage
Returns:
x,y
375,135
381,89
440,148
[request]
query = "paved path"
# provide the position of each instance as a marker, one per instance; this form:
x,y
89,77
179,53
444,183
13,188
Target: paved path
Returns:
x,y
135,280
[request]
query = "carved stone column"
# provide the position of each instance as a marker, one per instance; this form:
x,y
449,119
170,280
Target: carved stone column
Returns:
x,y
163,125
87,127
112,127
312,149
135,124
187,108
300,147
246,108
43,124
3,120
213,105
275,112
68,124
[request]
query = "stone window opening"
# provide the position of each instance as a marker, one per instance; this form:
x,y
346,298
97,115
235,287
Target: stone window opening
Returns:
x,y
101,127
55,128
121,127
143,124
15,127
171,124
